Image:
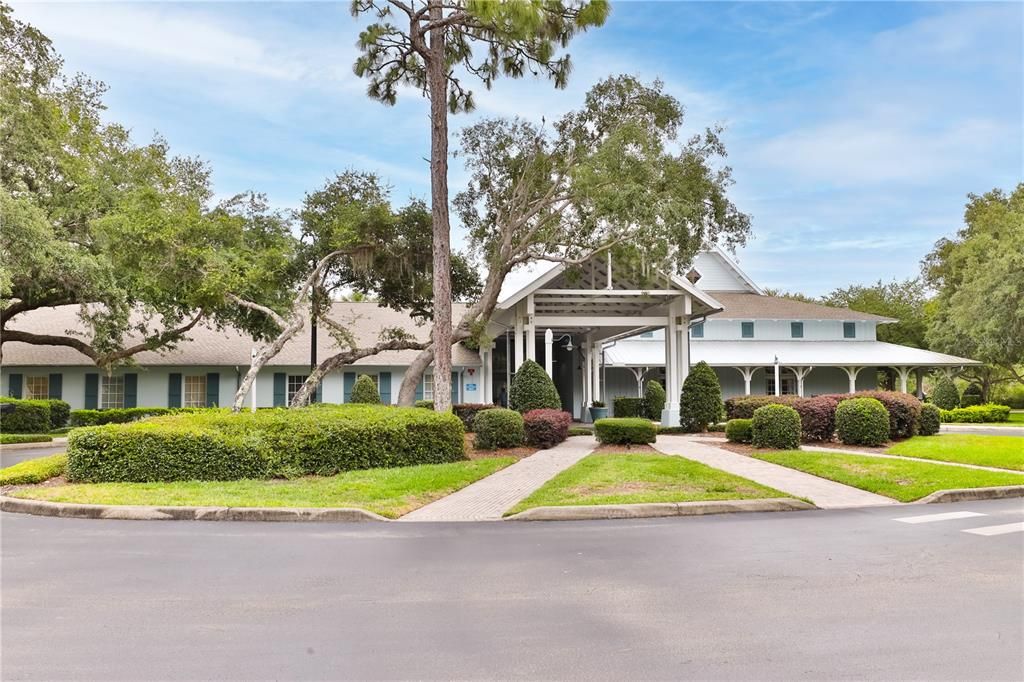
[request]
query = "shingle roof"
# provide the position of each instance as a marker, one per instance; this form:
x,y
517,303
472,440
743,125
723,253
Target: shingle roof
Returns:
x,y
228,346
745,306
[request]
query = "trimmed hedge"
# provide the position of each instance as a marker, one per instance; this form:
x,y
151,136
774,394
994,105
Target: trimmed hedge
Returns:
x,y
862,421
580,431
945,395
364,391
14,438
34,470
701,401
776,427
428,404
739,430
60,412
498,428
467,412
218,445
533,389
546,428
625,430
930,420
817,415
976,414
972,395
654,399
123,415
29,416
903,408
629,407
742,407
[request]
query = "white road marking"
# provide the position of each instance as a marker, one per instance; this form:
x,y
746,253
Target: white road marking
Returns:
x,y
998,530
945,516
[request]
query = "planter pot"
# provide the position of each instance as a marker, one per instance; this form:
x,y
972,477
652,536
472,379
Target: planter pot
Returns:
x,y
598,413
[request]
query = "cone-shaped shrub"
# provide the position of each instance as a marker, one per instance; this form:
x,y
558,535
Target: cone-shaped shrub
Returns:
x,y
930,420
365,391
533,389
944,395
701,401
654,399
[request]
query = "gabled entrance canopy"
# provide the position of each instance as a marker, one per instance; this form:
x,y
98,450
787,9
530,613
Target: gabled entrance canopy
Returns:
x,y
594,304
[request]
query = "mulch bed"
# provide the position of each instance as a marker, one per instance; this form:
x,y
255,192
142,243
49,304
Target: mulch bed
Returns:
x,y
625,449
519,453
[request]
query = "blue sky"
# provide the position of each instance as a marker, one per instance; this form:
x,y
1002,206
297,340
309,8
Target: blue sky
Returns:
x,y
855,130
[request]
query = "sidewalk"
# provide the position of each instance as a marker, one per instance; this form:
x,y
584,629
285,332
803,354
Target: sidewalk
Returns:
x,y
823,493
488,499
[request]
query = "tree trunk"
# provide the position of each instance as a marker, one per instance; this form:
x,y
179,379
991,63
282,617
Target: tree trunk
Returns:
x,y
308,389
437,83
263,356
413,374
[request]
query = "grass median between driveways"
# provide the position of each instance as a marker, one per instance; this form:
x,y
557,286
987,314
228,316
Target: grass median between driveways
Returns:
x,y
388,492
905,481
1005,452
34,470
630,479
15,438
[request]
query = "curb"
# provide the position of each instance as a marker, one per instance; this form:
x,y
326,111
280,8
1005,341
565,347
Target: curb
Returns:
x,y
28,446
656,509
973,494
141,513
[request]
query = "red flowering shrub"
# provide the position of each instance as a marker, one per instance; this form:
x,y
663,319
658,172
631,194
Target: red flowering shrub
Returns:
x,y
546,428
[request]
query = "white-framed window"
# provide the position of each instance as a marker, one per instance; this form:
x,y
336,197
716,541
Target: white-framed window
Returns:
x,y
295,382
37,388
194,391
112,392
428,386
788,382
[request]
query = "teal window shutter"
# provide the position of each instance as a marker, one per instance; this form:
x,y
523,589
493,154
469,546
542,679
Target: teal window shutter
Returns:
x,y
747,330
419,390
174,390
14,385
697,331
56,386
131,390
849,330
796,330
319,397
384,387
349,383
280,389
92,391
212,389
455,388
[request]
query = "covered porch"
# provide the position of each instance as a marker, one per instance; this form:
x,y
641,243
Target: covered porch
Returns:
x,y
567,319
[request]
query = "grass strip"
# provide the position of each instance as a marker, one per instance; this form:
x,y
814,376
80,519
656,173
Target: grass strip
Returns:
x,y
1005,452
34,470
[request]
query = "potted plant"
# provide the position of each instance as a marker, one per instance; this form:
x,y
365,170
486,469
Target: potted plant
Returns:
x,y
598,410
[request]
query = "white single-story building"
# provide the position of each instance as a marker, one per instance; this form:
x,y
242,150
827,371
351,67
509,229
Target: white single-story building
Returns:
x,y
597,334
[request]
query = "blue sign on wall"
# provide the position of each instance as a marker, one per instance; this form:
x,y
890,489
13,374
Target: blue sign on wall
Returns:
x,y
470,387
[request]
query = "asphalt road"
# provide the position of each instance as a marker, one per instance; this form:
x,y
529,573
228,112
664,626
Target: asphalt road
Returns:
x,y
984,431
10,455
849,594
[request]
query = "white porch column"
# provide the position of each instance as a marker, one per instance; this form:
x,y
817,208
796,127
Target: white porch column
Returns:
x,y
588,357
519,339
852,373
531,331
904,374
748,374
919,374
487,374
800,373
639,372
595,372
683,330
778,377
673,377
549,338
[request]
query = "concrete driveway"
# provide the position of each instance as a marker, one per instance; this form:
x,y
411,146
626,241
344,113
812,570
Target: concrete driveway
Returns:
x,y
806,595
12,454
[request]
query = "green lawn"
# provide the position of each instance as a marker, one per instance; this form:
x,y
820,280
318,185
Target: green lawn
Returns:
x,y
1005,452
627,479
34,470
388,492
905,481
12,438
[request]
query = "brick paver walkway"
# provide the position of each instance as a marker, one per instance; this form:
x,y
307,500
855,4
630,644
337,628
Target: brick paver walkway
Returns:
x,y
823,493
489,498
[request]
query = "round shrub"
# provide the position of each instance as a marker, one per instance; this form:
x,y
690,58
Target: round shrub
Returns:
x,y
904,411
862,421
625,430
60,411
28,416
467,412
739,430
654,399
364,391
701,400
930,420
498,428
944,395
533,389
971,396
546,428
776,427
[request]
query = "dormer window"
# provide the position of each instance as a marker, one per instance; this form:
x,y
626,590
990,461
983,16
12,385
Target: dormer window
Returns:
x,y
849,330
